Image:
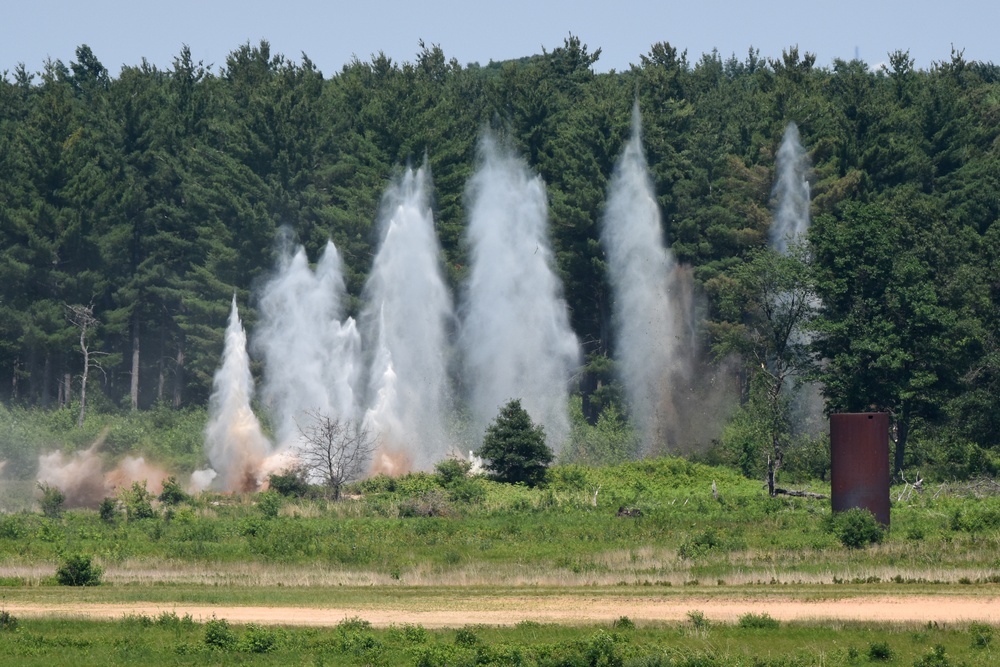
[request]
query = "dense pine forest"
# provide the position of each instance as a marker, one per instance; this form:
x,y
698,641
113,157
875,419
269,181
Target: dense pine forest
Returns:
x,y
133,208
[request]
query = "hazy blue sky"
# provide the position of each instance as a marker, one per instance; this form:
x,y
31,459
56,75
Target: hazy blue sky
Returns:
x,y
331,33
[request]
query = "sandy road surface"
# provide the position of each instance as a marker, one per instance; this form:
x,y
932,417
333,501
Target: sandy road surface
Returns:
x,y
570,610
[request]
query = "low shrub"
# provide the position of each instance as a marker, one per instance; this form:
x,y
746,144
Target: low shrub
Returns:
x,y
698,620
172,493
258,639
982,634
269,504
623,623
52,500
856,528
466,637
880,652
8,622
218,635
79,570
933,658
108,510
764,621
293,482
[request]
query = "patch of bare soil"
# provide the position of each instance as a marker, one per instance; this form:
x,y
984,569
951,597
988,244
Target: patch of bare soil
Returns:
x,y
566,610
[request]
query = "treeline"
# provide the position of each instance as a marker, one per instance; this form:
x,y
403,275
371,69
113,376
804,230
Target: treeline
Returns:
x,y
148,199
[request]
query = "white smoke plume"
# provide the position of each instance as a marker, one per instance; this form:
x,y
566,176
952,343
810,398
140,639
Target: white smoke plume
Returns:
x,y
791,190
515,335
408,314
312,359
653,301
237,447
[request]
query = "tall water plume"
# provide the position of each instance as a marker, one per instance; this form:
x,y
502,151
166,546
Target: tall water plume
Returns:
x,y
235,442
789,228
791,191
652,300
515,334
312,359
408,315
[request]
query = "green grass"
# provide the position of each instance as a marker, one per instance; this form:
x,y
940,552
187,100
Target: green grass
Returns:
x,y
519,536
168,639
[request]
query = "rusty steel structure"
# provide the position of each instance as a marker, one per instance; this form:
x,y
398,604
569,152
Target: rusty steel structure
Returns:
x,y
859,462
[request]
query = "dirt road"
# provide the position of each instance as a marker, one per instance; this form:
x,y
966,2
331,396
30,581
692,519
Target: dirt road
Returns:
x,y
502,610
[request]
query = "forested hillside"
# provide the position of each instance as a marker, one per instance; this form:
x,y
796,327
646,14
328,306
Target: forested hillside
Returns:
x,y
149,199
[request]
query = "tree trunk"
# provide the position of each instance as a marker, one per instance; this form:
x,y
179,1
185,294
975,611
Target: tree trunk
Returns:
x,y
179,375
46,376
83,378
902,431
161,367
134,390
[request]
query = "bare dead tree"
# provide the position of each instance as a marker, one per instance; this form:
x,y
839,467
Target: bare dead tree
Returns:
x,y
335,450
82,317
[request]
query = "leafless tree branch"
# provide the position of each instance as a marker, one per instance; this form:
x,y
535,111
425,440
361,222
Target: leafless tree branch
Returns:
x,y
336,451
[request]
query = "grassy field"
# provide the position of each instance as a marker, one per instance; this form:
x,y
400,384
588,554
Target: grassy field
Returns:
x,y
755,640
424,541
422,531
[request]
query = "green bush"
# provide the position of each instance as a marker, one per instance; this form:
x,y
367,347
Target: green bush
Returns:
x,y
933,658
269,504
982,634
450,471
52,500
172,493
292,482
108,510
258,639
856,528
79,570
698,620
219,635
8,622
880,652
759,622
138,502
466,637
623,623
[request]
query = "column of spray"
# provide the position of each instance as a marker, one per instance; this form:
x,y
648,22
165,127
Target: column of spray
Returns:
x,y
515,334
790,228
647,309
311,355
236,445
408,316
791,189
